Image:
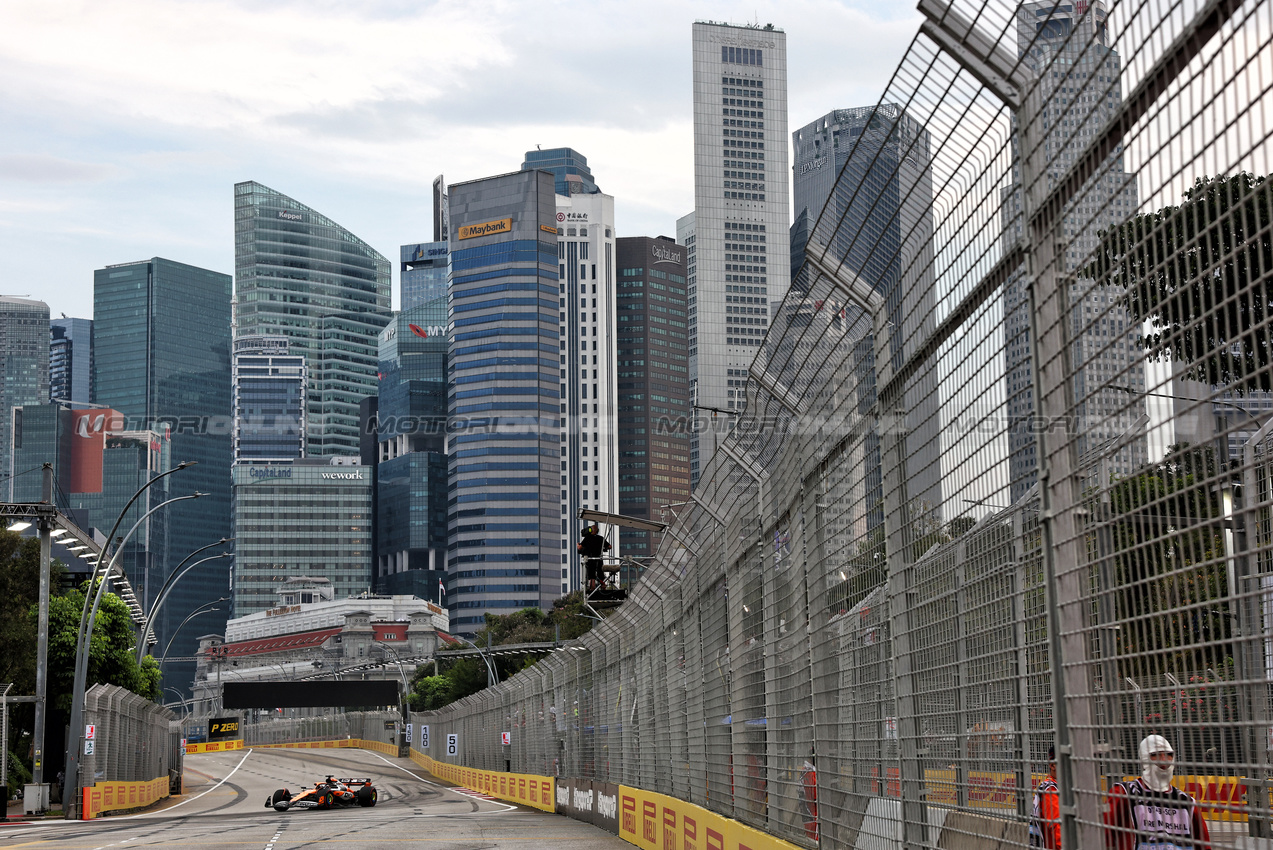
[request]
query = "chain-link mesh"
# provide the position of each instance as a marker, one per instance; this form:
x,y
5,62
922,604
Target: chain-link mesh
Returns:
x,y
133,739
1002,485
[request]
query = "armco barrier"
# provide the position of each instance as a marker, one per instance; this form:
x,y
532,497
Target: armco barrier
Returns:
x,y
116,796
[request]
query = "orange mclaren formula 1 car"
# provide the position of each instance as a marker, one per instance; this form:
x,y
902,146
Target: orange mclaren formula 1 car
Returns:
x,y
329,794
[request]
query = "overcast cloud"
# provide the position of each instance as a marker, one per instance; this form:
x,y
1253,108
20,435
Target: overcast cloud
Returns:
x,y
125,123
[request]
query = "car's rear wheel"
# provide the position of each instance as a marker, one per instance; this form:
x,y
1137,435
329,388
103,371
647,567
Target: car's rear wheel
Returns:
x,y
366,796
281,796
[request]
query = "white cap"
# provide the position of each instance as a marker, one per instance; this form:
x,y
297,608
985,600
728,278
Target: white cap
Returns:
x,y
1154,744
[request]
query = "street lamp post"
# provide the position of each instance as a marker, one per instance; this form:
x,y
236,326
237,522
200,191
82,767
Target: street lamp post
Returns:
x,y
72,785
202,609
167,588
491,677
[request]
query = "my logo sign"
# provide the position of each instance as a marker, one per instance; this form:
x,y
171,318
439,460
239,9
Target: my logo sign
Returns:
x,y
85,428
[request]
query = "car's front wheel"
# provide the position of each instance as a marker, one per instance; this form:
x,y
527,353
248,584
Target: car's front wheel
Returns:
x,y
281,800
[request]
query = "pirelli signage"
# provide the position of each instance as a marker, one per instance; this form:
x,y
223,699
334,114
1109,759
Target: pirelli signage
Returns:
x,y
486,228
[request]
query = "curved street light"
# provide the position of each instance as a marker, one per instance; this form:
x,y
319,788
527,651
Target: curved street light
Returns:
x,y
202,609
167,588
406,689
71,785
491,677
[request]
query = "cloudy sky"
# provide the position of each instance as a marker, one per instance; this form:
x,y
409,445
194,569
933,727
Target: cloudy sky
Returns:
x,y
125,123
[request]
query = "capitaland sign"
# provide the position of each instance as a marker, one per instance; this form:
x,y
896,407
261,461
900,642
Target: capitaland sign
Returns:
x,y
813,165
270,472
486,228
344,476
666,255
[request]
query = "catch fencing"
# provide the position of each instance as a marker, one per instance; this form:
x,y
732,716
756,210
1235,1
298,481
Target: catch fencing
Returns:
x,y
381,726
133,740
957,524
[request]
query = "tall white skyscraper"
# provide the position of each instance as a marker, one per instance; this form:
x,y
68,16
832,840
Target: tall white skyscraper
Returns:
x,y
741,211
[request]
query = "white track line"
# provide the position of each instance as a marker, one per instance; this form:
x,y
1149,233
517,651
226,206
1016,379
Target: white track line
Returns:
x,y
506,806
192,799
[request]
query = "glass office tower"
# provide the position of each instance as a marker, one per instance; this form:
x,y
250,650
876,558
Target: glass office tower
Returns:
x,y
305,518
269,400
411,474
571,175
71,361
422,274
161,339
24,366
653,386
504,446
300,275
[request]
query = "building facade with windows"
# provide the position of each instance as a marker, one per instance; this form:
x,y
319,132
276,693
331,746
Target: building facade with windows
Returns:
x,y
863,188
301,275
309,517
590,413
269,400
653,387
24,359
1112,439
71,361
411,473
505,357
162,358
422,273
741,208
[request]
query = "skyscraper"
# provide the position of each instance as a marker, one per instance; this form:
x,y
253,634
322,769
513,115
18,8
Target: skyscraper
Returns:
x,y
411,473
505,360
309,517
161,340
863,189
653,386
741,209
299,274
589,412
422,273
1110,427
269,400
71,361
24,366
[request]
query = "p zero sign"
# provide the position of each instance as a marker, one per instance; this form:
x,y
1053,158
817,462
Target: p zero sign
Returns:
x,y
221,728
486,228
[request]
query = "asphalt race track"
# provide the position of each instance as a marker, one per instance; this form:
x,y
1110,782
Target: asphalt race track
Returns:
x,y
224,806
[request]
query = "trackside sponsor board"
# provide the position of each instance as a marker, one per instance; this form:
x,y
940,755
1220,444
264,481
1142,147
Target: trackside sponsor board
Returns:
x,y
524,789
114,796
658,822
214,747
221,728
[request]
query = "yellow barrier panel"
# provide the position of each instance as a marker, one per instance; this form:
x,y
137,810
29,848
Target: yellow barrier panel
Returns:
x,y
214,747
658,822
114,796
334,743
525,789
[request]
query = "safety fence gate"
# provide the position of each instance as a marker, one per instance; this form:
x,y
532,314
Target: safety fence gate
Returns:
x,y
1001,486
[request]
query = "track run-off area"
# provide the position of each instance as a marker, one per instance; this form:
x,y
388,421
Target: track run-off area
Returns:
x,y
223,805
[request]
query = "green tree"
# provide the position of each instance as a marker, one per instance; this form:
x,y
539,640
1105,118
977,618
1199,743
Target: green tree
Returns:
x,y
1200,272
19,591
111,658
567,620
1169,562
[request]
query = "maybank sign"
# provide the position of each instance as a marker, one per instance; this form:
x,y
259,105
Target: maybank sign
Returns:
x,y
486,228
